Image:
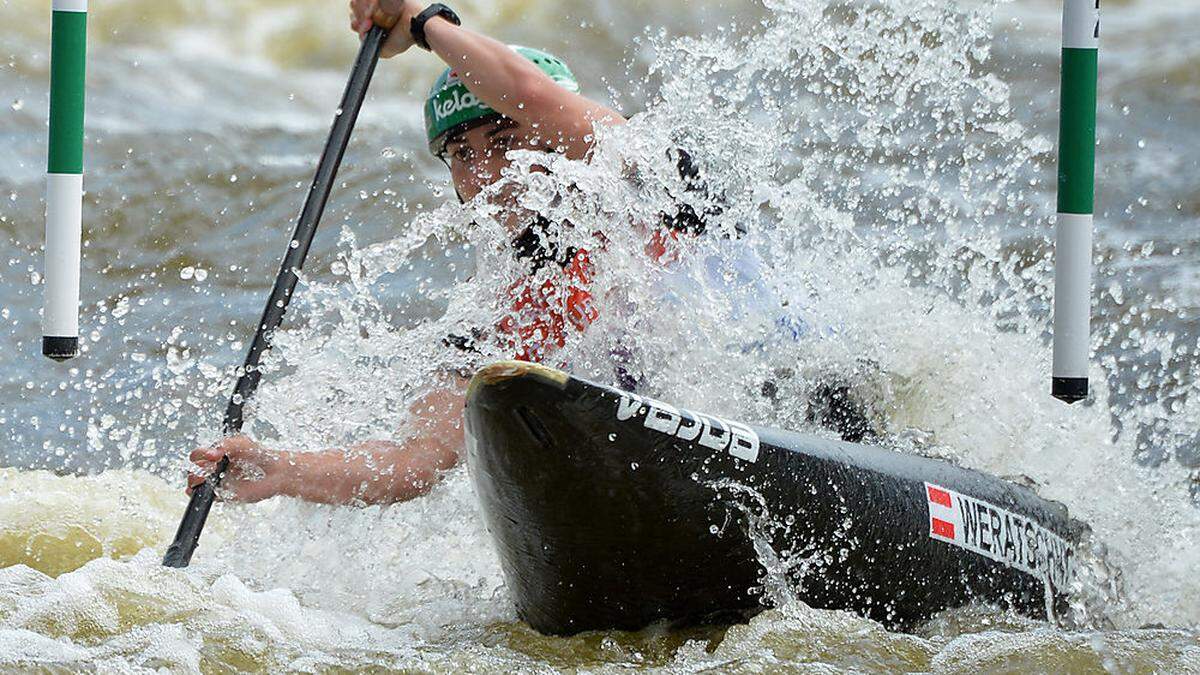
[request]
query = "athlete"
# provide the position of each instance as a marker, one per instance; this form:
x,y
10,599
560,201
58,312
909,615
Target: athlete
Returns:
x,y
491,99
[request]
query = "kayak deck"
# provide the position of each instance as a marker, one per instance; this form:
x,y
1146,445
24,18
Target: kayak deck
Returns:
x,y
614,511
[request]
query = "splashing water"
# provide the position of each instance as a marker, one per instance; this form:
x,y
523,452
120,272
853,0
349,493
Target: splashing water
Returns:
x,y
877,210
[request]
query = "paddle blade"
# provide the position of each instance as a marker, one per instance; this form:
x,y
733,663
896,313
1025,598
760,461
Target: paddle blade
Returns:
x,y
179,553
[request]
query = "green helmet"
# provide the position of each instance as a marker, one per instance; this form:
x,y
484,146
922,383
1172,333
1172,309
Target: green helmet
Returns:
x,y
451,108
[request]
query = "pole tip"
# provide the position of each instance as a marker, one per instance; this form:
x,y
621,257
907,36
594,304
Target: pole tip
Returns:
x,y
1069,389
60,348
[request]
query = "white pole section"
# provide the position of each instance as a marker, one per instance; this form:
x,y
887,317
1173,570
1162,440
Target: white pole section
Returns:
x,y
1076,195
64,179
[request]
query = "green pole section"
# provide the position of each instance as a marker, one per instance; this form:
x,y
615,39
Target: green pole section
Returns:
x,y
1076,194
1077,132
64,179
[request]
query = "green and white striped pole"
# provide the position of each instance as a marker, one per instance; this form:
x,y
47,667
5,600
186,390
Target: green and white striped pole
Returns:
x,y
1076,192
64,179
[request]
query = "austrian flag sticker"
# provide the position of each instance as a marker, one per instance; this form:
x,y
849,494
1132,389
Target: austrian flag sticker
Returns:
x,y
998,534
943,523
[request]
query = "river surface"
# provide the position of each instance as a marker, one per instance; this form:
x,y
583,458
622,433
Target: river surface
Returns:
x,y
891,165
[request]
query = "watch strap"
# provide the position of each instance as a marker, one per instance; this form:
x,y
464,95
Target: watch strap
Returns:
x,y
417,26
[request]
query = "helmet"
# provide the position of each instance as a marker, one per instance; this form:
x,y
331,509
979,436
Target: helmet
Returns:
x,y
451,108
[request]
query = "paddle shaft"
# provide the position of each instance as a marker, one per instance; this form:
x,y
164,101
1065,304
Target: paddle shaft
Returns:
x,y
179,553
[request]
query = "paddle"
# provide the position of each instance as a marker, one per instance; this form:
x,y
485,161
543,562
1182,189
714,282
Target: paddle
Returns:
x,y
179,553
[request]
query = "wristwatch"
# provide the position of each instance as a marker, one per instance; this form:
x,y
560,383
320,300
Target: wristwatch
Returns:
x,y
417,27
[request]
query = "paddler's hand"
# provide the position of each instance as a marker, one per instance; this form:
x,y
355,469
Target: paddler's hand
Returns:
x,y
395,15
254,474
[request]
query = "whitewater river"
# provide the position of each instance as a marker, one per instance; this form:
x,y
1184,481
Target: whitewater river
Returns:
x,y
892,166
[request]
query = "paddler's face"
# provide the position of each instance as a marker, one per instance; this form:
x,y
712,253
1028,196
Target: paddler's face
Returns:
x,y
477,156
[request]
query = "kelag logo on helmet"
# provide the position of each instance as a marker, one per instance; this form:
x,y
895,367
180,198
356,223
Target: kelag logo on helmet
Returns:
x,y
457,103
451,108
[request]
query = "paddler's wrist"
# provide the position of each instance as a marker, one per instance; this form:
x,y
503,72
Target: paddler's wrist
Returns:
x,y
407,13
436,28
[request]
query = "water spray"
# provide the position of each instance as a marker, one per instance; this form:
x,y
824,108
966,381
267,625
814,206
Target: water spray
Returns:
x,y
1076,194
64,179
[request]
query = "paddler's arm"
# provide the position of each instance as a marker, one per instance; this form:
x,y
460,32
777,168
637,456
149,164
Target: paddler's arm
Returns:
x,y
374,472
502,78
515,87
386,472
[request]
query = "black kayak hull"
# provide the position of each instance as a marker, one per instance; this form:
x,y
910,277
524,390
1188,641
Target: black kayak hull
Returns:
x,y
613,511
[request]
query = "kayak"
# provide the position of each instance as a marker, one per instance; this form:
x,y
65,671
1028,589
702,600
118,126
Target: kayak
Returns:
x,y
611,510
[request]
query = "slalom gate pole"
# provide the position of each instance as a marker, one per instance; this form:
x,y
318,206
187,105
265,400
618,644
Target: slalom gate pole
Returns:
x,y
1076,193
64,179
179,553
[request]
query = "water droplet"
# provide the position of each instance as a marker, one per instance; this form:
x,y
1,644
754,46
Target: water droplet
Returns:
x,y
187,272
